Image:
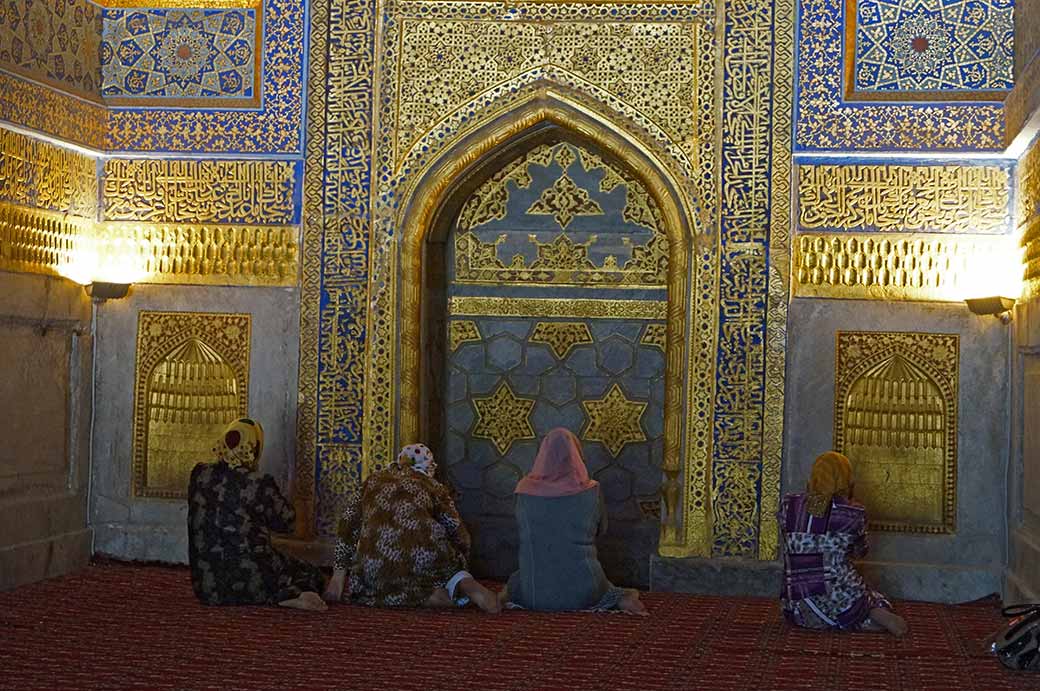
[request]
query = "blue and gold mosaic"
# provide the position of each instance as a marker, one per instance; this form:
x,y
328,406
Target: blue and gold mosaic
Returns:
x,y
825,119
54,43
172,54
348,333
190,127
933,45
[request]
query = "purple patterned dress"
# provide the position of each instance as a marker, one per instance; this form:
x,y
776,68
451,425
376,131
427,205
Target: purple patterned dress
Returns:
x,y
822,589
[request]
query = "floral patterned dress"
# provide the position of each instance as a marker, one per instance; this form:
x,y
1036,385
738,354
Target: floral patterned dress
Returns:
x,y
822,588
401,540
231,513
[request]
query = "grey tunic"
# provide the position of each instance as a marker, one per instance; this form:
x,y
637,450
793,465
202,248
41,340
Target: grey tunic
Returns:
x,y
559,568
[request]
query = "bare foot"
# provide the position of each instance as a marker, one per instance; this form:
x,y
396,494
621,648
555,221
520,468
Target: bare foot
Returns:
x,y
310,601
631,604
503,597
439,598
892,622
481,596
334,589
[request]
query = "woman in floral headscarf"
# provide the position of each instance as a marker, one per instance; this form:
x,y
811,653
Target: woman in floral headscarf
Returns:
x,y
560,512
403,544
231,511
823,531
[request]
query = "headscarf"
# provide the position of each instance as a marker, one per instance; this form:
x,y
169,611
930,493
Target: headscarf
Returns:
x,y
241,443
419,458
559,469
831,477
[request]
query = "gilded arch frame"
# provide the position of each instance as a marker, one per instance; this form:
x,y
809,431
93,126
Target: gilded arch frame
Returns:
x,y
738,302
434,183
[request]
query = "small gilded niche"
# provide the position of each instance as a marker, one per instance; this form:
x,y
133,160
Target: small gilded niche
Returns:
x,y
192,378
896,419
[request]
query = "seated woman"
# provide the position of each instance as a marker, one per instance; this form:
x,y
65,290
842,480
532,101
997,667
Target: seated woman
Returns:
x,y
231,511
403,542
823,530
559,512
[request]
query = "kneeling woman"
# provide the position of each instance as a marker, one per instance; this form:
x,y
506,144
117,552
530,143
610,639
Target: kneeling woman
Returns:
x,y
232,510
403,543
559,512
824,530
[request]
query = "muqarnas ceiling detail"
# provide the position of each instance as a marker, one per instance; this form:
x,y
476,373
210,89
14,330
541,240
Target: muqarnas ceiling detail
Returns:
x,y
173,55
933,45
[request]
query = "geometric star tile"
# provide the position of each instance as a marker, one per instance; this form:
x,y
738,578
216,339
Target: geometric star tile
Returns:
x,y
503,418
614,421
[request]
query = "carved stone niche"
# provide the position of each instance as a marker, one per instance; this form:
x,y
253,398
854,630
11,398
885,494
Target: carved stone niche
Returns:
x,y
192,379
895,418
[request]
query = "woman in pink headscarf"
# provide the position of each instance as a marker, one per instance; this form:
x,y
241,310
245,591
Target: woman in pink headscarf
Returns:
x,y
559,512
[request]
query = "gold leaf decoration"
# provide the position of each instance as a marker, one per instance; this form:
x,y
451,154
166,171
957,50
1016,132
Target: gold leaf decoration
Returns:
x,y
561,336
192,378
564,201
896,418
462,331
655,335
614,420
503,418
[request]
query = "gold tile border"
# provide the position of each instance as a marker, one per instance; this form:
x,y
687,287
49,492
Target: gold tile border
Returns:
x,y
557,307
179,4
904,198
57,244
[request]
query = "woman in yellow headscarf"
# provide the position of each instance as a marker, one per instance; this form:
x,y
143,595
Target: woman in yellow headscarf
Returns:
x,y
232,510
823,531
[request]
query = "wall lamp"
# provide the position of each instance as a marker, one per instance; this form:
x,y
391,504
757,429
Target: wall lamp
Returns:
x,y
100,291
999,307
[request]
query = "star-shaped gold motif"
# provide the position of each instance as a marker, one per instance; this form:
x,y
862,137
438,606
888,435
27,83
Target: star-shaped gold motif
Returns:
x,y
503,418
613,421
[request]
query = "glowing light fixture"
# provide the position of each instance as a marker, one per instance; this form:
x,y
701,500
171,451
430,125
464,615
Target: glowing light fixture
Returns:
x,y
106,264
999,307
100,291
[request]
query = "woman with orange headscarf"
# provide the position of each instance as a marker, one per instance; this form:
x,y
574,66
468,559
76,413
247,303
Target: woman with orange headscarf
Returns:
x,y
823,531
559,512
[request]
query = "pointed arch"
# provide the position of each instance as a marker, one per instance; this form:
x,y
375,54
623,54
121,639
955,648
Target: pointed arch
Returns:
x,y
547,109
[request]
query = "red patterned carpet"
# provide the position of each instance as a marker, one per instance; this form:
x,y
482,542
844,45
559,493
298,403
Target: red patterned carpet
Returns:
x,y
118,626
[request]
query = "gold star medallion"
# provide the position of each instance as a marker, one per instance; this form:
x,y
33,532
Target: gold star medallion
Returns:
x,y
613,421
503,418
